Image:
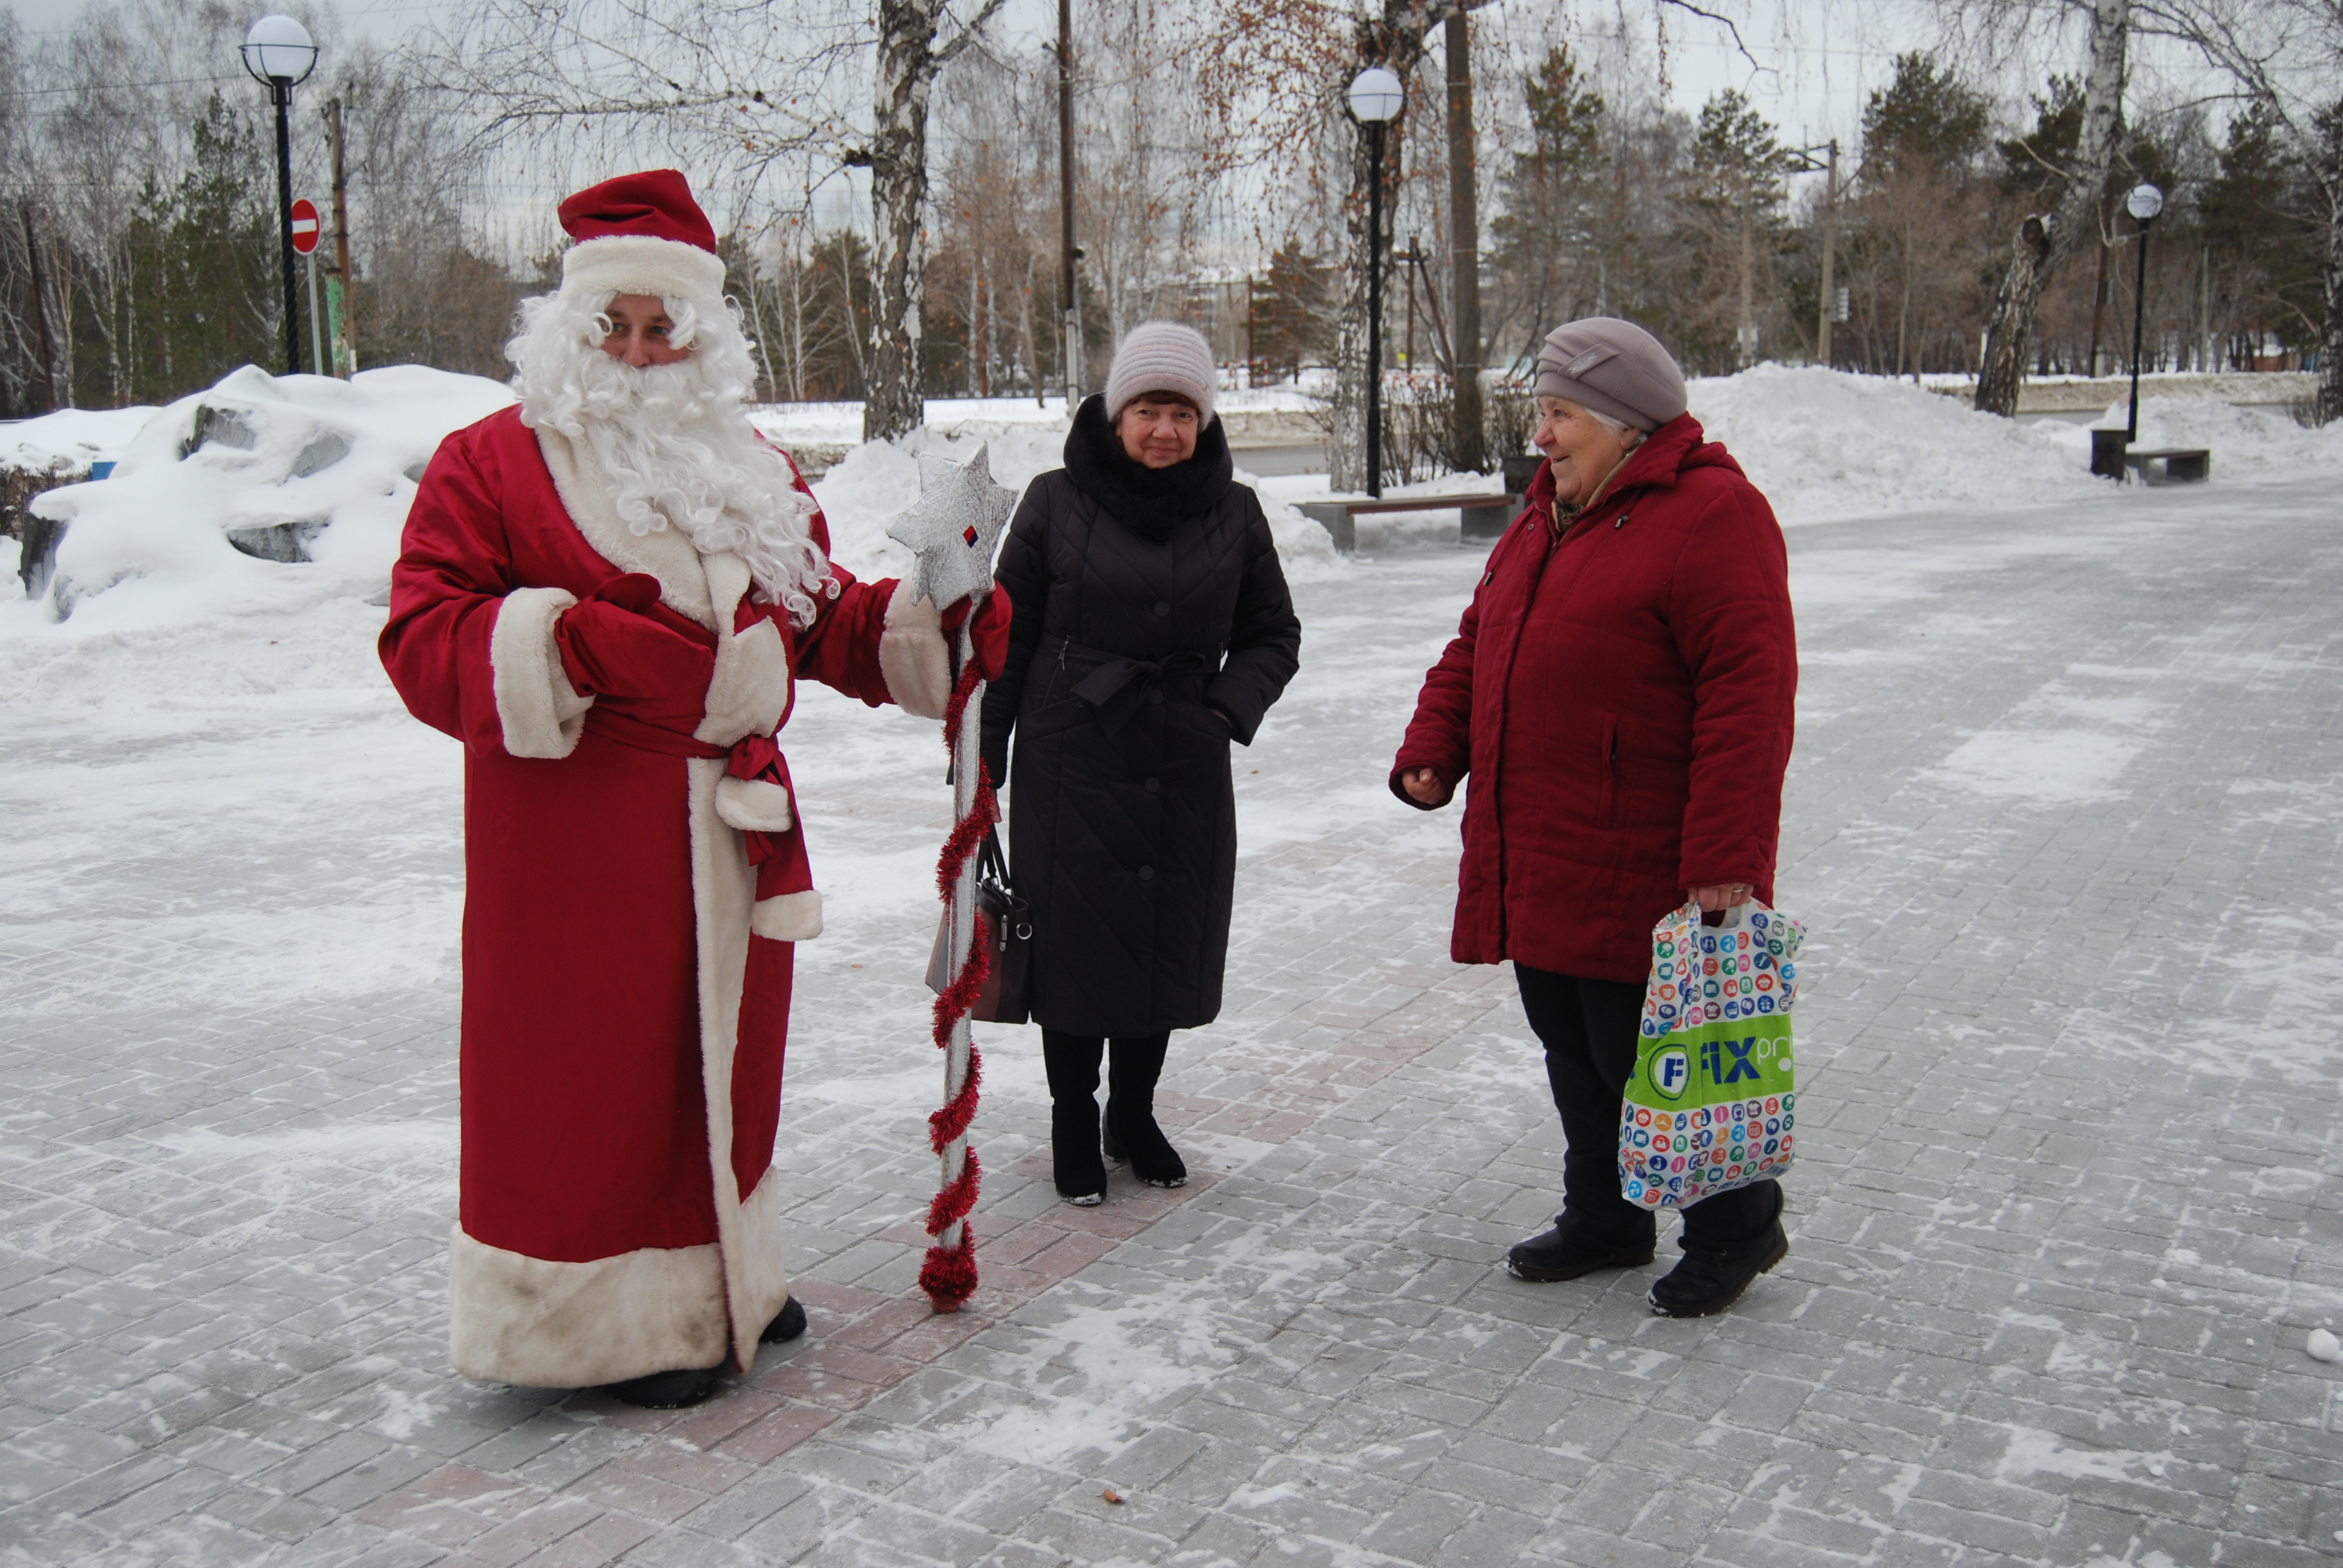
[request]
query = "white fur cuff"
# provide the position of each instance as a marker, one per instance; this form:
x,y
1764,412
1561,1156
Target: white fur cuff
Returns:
x,y
789,918
751,688
641,263
752,805
912,655
540,712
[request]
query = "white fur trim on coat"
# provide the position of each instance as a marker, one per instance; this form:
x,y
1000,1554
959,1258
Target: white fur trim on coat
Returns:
x,y
662,553
751,688
912,655
723,895
539,711
642,264
542,1324
787,917
753,806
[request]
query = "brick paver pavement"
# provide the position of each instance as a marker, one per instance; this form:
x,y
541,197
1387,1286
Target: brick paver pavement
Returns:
x,y
2062,827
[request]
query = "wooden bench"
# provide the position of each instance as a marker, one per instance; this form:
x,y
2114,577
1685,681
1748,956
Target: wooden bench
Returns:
x,y
2111,455
1483,514
2182,465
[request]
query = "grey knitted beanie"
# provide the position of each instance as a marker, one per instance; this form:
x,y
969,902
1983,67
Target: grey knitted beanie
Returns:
x,y
1161,357
1614,368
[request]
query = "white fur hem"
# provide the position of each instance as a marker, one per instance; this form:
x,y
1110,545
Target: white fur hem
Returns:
x,y
643,264
752,805
787,917
912,656
527,1321
539,711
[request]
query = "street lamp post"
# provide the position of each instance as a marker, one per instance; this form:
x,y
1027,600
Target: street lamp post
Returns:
x,y
2144,203
279,53
1376,95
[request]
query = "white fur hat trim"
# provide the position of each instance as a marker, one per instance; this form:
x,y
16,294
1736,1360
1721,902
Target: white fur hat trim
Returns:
x,y
641,263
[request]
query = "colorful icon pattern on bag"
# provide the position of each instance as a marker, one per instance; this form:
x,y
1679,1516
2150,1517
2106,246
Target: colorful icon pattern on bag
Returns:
x,y
1711,1104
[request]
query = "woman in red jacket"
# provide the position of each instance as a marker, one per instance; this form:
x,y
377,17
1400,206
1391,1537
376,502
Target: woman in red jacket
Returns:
x,y
1621,692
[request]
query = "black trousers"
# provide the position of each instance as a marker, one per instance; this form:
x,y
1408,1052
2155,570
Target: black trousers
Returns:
x,y
1589,1028
1133,1066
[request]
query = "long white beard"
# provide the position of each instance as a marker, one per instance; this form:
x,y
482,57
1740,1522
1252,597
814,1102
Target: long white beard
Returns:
x,y
674,442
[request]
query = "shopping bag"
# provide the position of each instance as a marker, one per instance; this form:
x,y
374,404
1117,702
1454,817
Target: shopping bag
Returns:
x,y
1711,1103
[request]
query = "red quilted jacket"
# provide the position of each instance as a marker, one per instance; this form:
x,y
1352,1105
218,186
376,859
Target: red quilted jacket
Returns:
x,y
1623,702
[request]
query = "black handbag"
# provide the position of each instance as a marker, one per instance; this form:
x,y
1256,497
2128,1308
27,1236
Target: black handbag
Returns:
x,y
1001,999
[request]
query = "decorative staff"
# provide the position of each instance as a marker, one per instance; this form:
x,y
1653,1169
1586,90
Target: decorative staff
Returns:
x,y
951,530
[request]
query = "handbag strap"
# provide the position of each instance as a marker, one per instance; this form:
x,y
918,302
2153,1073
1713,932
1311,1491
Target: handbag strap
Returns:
x,y
992,865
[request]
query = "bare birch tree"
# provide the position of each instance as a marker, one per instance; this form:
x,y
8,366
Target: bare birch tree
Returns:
x,y
2043,240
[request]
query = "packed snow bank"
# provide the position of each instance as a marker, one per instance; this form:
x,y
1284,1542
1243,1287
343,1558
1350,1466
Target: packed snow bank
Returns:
x,y
263,494
876,480
1822,444
70,439
2246,442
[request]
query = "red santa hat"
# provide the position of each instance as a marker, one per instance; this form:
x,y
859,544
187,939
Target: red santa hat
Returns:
x,y
641,234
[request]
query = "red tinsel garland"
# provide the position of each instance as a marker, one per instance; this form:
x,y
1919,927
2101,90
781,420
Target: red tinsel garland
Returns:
x,y
948,1273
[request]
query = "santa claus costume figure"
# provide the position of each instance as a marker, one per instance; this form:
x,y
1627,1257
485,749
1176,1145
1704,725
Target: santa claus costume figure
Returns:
x,y
607,594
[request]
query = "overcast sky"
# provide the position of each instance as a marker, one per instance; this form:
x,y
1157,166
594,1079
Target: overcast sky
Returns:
x,y
1815,60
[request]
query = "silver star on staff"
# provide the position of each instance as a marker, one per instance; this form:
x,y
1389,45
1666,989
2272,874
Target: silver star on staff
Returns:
x,y
951,528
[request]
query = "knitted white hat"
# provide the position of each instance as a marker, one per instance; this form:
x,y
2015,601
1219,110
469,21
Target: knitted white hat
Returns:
x,y
1161,357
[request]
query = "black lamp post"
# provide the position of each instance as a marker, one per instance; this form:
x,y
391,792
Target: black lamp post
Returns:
x,y
279,53
1376,96
2144,203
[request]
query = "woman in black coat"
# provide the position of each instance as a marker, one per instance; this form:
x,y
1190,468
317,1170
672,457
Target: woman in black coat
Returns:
x,y
1152,628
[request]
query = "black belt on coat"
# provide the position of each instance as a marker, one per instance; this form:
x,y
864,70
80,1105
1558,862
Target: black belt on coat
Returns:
x,y
1119,684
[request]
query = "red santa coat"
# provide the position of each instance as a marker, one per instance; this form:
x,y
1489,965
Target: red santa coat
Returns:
x,y
1622,699
627,969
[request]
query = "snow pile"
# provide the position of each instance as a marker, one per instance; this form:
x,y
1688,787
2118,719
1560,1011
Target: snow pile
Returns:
x,y
2246,442
1822,444
70,439
876,480
262,494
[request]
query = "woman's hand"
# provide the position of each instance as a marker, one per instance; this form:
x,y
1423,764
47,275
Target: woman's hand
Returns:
x,y
1425,787
1720,896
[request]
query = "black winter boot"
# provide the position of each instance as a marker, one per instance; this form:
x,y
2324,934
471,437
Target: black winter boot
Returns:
x,y
787,1324
1713,1274
1130,1132
1080,1172
1072,1060
667,1390
1568,1252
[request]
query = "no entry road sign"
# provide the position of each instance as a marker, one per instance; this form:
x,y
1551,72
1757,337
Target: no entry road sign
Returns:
x,y
304,225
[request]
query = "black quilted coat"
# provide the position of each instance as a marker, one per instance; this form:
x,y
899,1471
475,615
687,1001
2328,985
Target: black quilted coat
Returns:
x,y
1146,600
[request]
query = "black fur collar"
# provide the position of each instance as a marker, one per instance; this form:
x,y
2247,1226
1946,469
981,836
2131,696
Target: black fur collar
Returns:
x,y
1148,502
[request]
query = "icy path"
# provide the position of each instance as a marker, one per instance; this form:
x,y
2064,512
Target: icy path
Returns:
x,y
2063,824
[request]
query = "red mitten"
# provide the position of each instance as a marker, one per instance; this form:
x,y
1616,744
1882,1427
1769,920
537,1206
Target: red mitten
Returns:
x,y
612,645
989,632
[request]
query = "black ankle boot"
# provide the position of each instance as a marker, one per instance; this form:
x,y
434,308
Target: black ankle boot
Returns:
x,y
1712,1275
667,1390
787,1324
1567,1252
1080,1172
1132,1135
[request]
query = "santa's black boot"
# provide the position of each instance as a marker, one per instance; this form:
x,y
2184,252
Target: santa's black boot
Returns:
x,y
667,1390
1072,1060
787,1324
1130,1132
